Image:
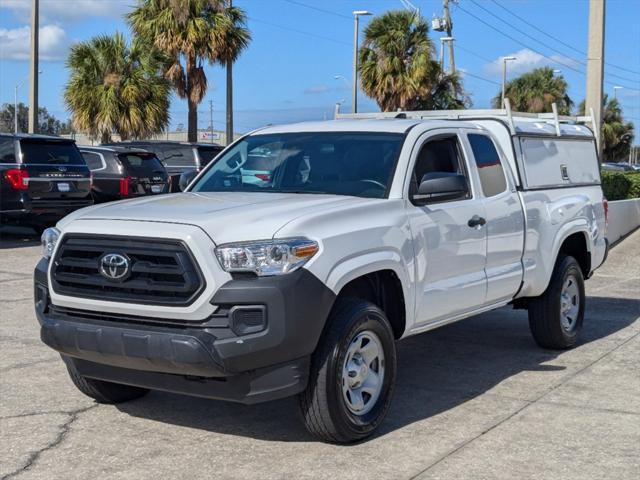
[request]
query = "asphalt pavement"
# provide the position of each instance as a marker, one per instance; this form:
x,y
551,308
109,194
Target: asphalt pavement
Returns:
x,y
474,400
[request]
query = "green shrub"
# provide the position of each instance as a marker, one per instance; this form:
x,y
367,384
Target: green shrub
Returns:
x,y
634,191
621,185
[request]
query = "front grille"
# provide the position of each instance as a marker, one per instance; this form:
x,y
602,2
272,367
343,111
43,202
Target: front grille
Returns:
x,y
162,272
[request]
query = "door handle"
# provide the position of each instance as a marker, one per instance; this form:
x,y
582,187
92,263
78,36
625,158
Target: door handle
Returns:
x,y
476,221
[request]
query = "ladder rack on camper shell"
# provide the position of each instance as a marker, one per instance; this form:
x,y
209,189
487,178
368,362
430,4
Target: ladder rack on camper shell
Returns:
x,y
550,118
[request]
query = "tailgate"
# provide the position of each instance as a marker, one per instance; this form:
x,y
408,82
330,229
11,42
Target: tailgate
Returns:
x,y
62,182
55,168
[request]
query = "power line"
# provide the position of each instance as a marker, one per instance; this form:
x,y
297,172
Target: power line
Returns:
x,y
554,60
301,32
581,52
481,57
480,78
581,62
517,41
318,9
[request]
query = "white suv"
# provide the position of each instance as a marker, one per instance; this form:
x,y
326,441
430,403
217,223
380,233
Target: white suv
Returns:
x,y
368,231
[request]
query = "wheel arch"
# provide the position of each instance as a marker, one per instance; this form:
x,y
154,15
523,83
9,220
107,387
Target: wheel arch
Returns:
x,y
381,278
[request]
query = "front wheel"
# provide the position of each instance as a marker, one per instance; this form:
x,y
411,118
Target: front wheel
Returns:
x,y
555,317
105,392
352,374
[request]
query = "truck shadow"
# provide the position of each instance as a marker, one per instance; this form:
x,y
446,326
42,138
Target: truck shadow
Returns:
x,y
437,371
17,237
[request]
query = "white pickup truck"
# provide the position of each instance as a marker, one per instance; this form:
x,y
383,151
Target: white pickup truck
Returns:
x,y
354,233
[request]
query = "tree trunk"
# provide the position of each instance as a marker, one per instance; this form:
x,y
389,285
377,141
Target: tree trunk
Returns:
x,y
105,137
192,120
229,129
229,133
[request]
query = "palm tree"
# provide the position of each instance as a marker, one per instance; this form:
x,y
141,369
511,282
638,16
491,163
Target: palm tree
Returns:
x,y
116,87
397,68
617,136
191,32
535,91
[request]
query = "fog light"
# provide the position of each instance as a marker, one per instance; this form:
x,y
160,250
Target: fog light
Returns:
x,y
248,319
41,295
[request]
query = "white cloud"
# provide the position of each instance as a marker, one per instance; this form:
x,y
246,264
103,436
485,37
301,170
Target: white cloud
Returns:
x,y
61,11
527,60
316,89
15,43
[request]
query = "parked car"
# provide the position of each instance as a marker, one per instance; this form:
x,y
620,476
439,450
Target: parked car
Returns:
x,y
42,178
617,167
123,172
369,231
178,157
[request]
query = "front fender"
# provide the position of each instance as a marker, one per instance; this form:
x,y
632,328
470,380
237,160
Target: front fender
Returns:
x,y
351,267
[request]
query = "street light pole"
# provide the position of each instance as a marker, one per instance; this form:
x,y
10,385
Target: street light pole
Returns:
x,y
33,95
356,29
504,77
615,92
442,42
15,109
15,101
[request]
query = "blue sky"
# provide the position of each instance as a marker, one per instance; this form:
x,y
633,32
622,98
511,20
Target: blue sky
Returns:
x,y
287,74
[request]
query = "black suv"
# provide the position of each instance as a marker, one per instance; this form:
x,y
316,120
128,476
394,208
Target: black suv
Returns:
x,y
124,172
42,178
178,157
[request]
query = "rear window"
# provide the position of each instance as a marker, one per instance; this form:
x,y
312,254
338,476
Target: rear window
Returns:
x,y
207,154
94,161
50,153
179,156
490,169
143,164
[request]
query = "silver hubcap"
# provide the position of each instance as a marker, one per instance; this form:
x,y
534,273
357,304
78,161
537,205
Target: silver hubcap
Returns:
x,y
569,303
363,373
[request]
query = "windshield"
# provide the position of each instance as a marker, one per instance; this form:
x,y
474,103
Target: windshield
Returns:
x,y
339,163
50,152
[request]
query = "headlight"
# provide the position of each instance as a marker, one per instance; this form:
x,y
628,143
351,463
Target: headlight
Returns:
x,y
49,239
266,257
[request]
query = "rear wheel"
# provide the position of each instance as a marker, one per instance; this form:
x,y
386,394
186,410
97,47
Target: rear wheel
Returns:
x,y
105,392
556,317
352,374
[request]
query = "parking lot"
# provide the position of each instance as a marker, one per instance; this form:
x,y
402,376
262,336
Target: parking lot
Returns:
x,y
477,399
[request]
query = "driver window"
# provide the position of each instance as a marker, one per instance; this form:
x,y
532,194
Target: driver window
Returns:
x,y
441,155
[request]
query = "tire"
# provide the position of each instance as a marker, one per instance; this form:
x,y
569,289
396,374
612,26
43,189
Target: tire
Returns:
x,y
105,392
38,229
336,414
556,316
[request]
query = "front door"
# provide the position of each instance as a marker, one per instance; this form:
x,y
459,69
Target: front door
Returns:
x,y
449,235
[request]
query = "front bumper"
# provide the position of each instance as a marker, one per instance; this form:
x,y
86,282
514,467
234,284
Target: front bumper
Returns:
x,y
215,358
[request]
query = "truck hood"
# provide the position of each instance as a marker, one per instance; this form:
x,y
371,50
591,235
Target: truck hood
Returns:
x,y
224,216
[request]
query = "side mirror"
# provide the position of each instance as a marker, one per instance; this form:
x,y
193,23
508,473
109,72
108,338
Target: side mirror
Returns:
x,y
186,178
440,186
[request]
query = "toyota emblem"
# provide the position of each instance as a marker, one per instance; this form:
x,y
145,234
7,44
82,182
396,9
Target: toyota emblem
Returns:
x,y
114,266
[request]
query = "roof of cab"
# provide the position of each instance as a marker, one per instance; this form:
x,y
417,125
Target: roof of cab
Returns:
x,y
36,136
388,125
114,148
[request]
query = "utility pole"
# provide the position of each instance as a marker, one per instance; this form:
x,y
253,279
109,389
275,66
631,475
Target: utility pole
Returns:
x,y
595,65
449,28
33,94
229,129
211,118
